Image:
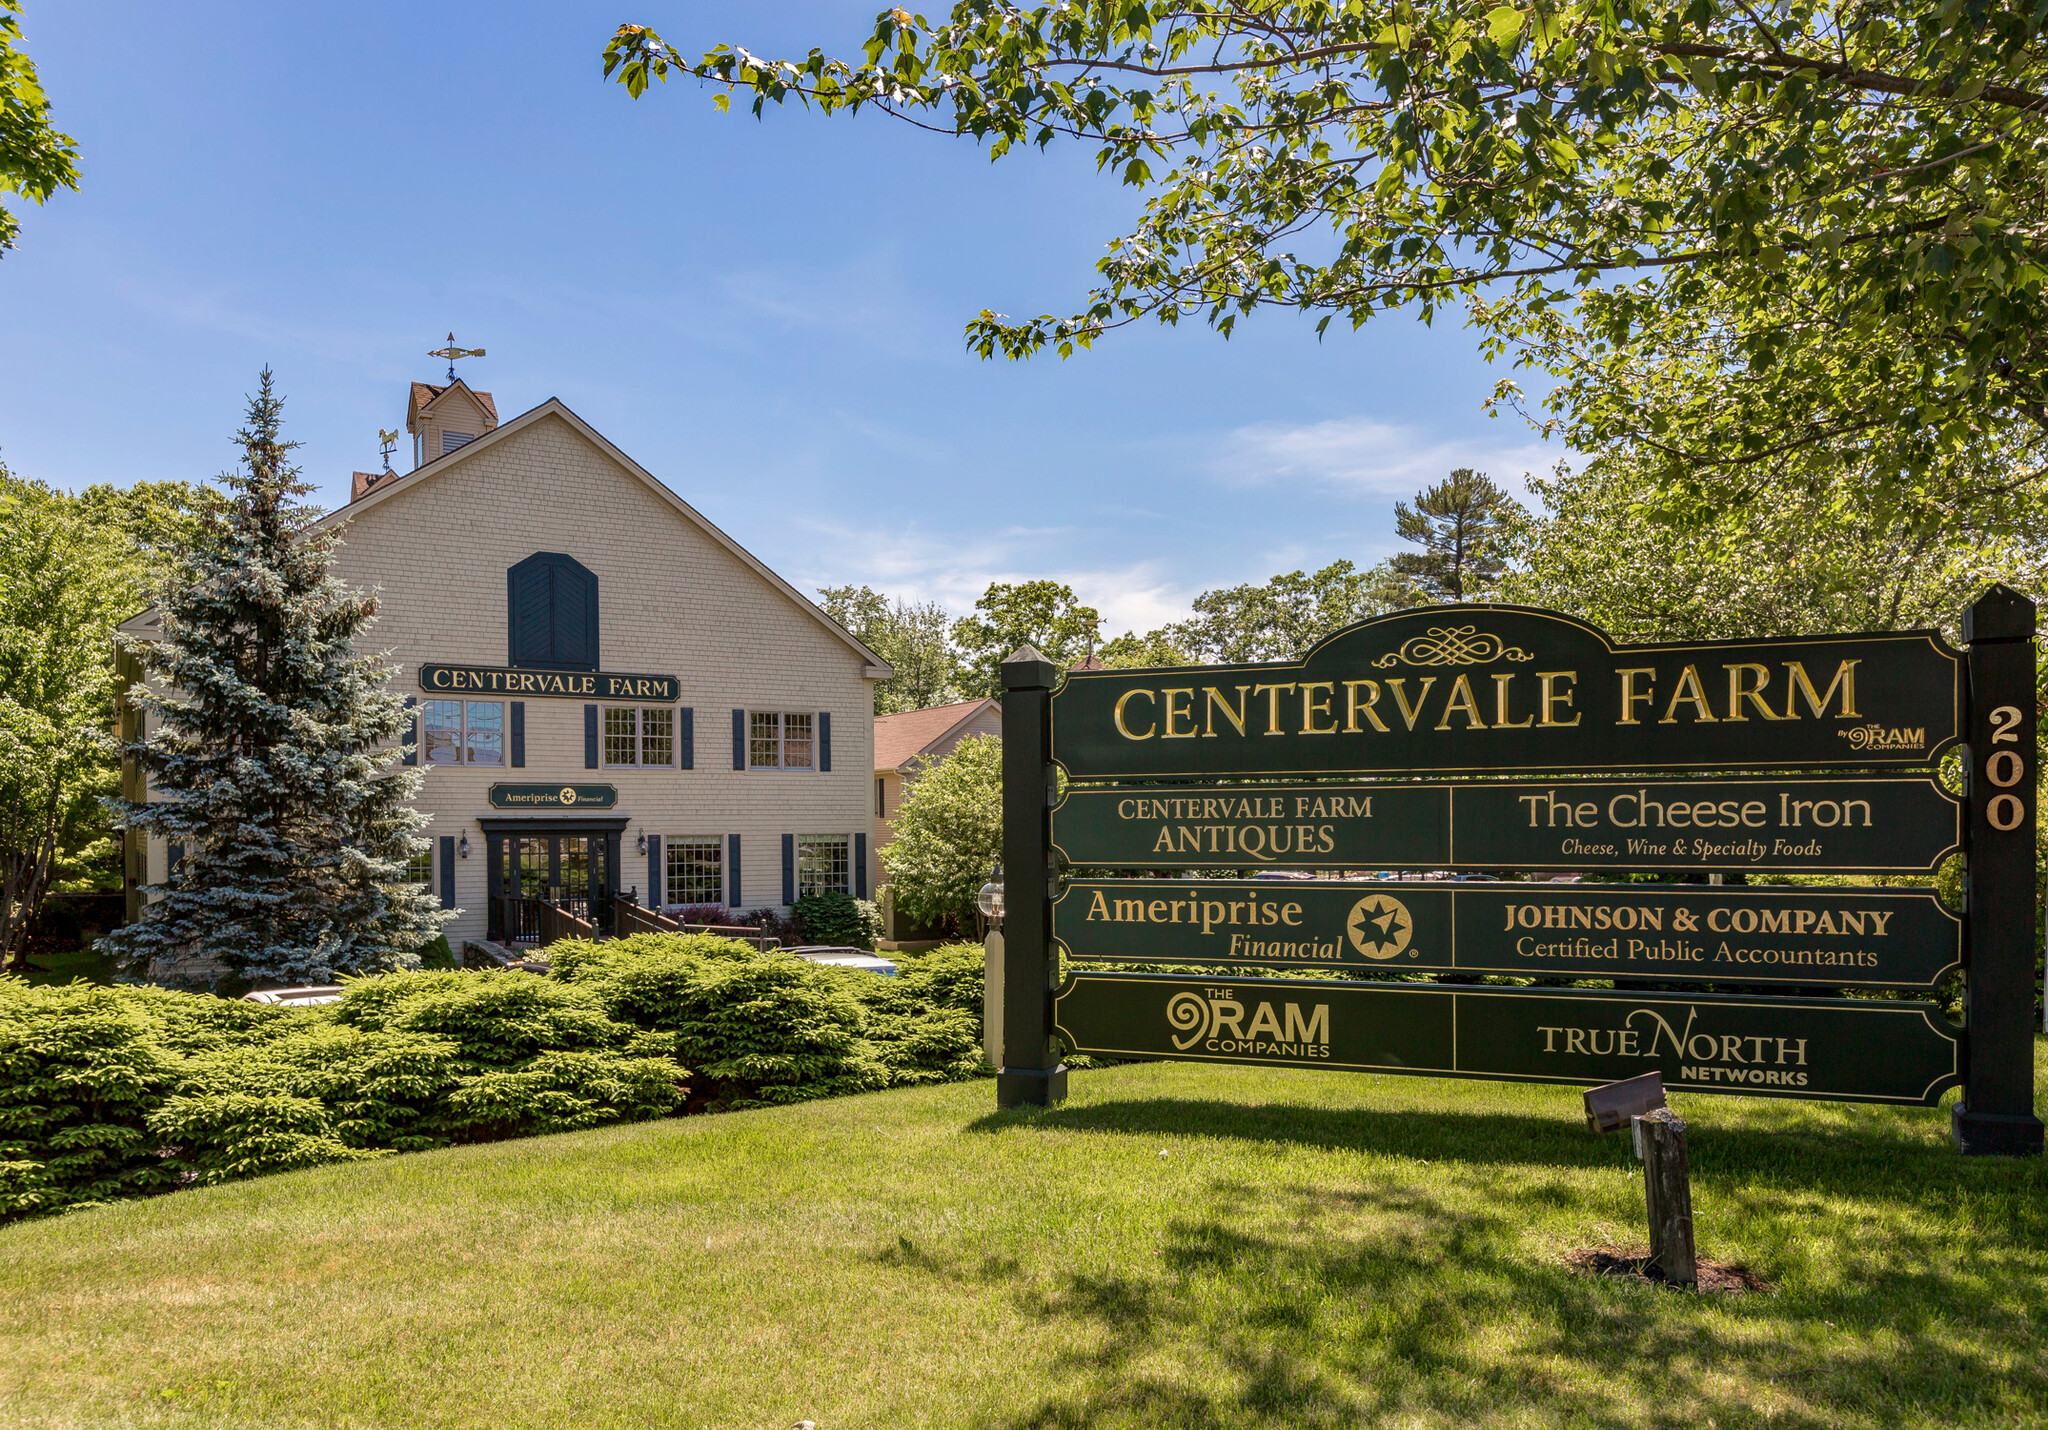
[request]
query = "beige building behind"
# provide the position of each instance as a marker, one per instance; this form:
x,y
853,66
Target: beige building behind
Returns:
x,y
609,693
907,741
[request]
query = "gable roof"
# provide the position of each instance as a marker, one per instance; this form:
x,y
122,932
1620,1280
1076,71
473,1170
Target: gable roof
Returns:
x,y
902,737
399,484
426,394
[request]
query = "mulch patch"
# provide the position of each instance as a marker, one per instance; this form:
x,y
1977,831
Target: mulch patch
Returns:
x,y
1635,1264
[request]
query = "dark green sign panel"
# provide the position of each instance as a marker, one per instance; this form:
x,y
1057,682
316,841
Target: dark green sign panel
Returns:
x,y
1483,688
553,796
459,681
1839,1049
1865,938
1896,825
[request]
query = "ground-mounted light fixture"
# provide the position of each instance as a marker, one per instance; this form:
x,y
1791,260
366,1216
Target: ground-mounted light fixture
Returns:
x,y
462,848
989,898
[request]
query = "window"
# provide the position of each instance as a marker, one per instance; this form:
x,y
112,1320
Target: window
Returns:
x,y
639,736
779,740
881,799
822,864
451,440
462,732
419,868
696,868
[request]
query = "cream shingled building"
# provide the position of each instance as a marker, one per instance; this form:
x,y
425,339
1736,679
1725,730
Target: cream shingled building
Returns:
x,y
610,693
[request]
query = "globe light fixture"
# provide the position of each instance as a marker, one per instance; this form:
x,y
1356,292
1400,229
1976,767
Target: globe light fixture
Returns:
x,y
989,899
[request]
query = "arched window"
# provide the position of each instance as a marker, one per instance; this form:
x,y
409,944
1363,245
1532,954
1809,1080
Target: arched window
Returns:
x,y
552,612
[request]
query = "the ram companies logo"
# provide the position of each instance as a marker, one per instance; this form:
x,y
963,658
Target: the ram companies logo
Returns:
x,y
1218,1021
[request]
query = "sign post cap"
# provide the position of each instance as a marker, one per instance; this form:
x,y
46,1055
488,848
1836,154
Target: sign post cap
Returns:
x,y
2000,614
1026,669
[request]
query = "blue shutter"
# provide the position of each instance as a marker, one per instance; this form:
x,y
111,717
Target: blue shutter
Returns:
x,y
447,871
412,756
860,866
825,741
518,734
739,739
686,739
590,737
789,868
656,894
732,872
175,856
551,613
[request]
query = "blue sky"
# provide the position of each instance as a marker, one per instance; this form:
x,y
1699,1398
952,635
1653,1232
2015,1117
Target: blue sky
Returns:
x,y
766,314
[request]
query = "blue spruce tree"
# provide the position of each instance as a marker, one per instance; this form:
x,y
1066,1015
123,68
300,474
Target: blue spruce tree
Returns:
x,y
272,757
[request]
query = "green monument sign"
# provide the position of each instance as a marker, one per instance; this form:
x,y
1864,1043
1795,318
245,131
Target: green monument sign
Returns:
x,y
1842,937
1896,825
1841,1049
1507,739
1482,689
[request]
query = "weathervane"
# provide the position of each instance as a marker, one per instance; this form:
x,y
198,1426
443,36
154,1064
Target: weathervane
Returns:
x,y
452,352
387,438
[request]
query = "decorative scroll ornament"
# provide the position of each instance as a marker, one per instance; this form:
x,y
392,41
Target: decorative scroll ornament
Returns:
x,y
1452,645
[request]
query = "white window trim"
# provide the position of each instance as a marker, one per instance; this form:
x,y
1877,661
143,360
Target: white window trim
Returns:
x,y
604,719
670,842
462,705
782,716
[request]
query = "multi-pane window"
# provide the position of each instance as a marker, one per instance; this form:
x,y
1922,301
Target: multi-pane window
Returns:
x,y
637,736
462,732
780,740
822,864
696,868
419,868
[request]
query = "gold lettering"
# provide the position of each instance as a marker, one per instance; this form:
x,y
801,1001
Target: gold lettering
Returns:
x,y
1845,681
1550,699
1215,702
1125,730
1352,709
1629,698
1272,694
1398,685
1461,699
1500,707
1740,690
1312,707
1689,681
1176,711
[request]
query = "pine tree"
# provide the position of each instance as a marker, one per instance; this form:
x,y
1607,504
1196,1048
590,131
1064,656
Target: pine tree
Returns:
x,y
1462,525
273,753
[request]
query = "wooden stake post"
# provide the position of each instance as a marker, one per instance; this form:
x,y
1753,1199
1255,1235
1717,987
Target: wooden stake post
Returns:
x,y
1667,1192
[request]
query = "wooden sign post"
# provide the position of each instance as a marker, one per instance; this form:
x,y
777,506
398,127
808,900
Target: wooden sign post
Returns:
x,y
1996,1116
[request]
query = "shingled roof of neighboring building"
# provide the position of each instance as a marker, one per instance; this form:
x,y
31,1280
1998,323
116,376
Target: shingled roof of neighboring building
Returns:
x,y
899,738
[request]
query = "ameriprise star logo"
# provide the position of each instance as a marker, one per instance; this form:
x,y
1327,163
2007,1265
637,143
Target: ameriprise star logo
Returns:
x,y
1379,926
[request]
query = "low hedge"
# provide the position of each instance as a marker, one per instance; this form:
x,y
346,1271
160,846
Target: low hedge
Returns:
x,y
108,1093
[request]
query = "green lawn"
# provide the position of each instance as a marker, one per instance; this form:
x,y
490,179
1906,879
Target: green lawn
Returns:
x,y
1178,1246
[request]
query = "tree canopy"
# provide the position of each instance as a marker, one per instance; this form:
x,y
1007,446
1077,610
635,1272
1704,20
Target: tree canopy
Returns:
x,y
1461,524
1831,213
1045,614
35,160
914,637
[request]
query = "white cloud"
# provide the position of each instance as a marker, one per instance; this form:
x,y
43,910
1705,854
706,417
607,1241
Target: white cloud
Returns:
x,y
954,569
1367,456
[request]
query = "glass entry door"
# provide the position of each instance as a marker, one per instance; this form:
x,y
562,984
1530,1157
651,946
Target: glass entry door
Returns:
x,y
572,871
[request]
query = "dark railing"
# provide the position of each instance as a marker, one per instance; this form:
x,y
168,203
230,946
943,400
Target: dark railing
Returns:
x,y
522,922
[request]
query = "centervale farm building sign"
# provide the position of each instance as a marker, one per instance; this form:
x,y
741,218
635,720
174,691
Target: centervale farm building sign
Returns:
x,y
1509,740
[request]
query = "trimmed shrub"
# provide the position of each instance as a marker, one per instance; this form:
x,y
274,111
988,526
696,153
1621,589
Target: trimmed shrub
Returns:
x,y
224,1136
564,1092
497,1019
80,1071
925,1023
838,919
